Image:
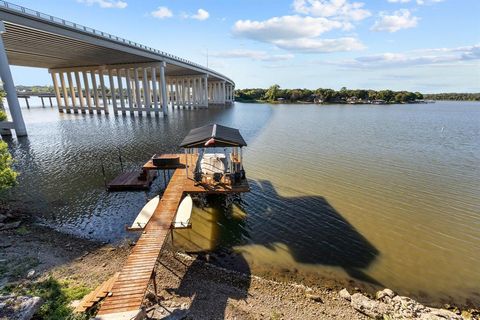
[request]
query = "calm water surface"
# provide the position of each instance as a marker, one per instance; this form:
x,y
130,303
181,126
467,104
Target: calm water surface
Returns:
x,y
385,194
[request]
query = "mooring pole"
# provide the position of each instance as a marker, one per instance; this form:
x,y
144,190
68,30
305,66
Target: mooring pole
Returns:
x,y
120,157
104,176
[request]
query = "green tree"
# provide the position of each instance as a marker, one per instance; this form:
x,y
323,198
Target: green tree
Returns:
x,y
272,93
8,177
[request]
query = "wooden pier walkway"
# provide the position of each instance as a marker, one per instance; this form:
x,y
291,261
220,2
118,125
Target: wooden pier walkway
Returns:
x,y
130,287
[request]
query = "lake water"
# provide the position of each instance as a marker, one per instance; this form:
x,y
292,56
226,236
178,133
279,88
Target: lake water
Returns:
x,y
389,195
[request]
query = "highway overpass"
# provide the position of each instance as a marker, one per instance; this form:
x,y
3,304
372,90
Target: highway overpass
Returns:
x,y
86,65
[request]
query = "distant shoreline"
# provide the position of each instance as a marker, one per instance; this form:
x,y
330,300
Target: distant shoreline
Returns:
x,y
338,102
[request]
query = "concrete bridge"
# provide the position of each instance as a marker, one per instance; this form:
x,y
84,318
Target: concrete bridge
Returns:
x,y
88,65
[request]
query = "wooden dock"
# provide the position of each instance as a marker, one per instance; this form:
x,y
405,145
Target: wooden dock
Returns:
x,y
131,181
129,289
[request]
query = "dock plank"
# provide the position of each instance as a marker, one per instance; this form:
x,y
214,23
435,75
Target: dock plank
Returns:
x,y
129,288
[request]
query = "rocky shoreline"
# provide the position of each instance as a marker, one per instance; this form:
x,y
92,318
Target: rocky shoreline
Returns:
x,y
190,286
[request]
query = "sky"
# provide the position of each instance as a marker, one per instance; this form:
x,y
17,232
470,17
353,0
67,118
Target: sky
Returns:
x,y
418,45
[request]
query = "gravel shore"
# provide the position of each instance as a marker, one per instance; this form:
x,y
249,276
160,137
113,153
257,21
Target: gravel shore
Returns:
x,y
189,286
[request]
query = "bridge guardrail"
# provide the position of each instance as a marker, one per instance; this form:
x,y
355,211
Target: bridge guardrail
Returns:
x,y
79,27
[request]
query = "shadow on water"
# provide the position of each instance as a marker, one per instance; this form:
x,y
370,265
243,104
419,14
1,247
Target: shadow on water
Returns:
x,y
61,181
214,226
312,230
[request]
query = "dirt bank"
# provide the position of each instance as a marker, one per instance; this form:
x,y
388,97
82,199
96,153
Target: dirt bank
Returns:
x,y
31,254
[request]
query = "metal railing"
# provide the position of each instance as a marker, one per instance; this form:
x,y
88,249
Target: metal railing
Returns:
x,y
78,27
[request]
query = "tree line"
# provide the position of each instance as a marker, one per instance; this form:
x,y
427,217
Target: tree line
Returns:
x,y
275,93
454,96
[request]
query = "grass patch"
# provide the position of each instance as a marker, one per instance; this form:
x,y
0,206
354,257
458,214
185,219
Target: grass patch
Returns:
x,y
57,296
22,231
19,268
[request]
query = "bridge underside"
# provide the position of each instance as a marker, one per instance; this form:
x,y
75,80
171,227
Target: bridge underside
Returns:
x,y
90,68
36,48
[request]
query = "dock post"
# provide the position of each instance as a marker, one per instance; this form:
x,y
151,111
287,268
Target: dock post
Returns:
x,y
43,103
104,176
9,86
51,104
120,157
26,101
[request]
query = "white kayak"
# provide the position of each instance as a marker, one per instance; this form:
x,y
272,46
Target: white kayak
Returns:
x,y
184,212
145,214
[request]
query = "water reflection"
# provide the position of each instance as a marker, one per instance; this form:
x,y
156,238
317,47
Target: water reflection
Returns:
x,y
389,193
307,227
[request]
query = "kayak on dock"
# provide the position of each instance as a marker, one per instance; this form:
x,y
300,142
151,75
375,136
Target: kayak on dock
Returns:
x,y
184,212
145,214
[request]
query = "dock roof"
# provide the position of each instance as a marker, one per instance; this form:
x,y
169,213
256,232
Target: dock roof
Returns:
x,y
213,135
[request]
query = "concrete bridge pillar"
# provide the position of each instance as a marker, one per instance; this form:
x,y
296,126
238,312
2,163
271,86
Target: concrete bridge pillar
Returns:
x,y
9,87
145,88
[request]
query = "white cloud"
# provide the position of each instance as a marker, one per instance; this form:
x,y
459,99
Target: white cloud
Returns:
x,y
415,58
117,4
297,33
306,45
419,2
398,20
252,54
201,15
335,9
286,27
162,13
425,2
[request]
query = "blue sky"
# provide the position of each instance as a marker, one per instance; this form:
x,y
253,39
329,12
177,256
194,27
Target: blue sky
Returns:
x,y
418,45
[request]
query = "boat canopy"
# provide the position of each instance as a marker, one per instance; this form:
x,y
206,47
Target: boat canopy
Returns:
x,y
213,135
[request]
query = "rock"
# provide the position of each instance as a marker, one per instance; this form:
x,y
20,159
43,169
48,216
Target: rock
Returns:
x,y
151,297
30,274
19,308
3,217
11,225
466,315
440,314
373,309
75,303
385,293
5,244
104,265
314,297
345,294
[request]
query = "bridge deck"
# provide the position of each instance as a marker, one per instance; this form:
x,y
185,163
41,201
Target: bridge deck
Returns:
x,y
129,289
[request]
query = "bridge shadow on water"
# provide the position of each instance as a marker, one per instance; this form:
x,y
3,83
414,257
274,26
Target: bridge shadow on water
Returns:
x,y
313,232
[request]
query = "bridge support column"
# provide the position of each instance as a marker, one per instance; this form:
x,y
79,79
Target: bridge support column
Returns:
x,y
9,86
96,100
88,93
222,93
146,91
112,91
163,86
80,92
104,93
57,92
120,90
205,91
194,93
154,91
128,81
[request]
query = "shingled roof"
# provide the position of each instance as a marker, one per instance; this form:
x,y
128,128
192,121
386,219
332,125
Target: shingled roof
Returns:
x,y
213,135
